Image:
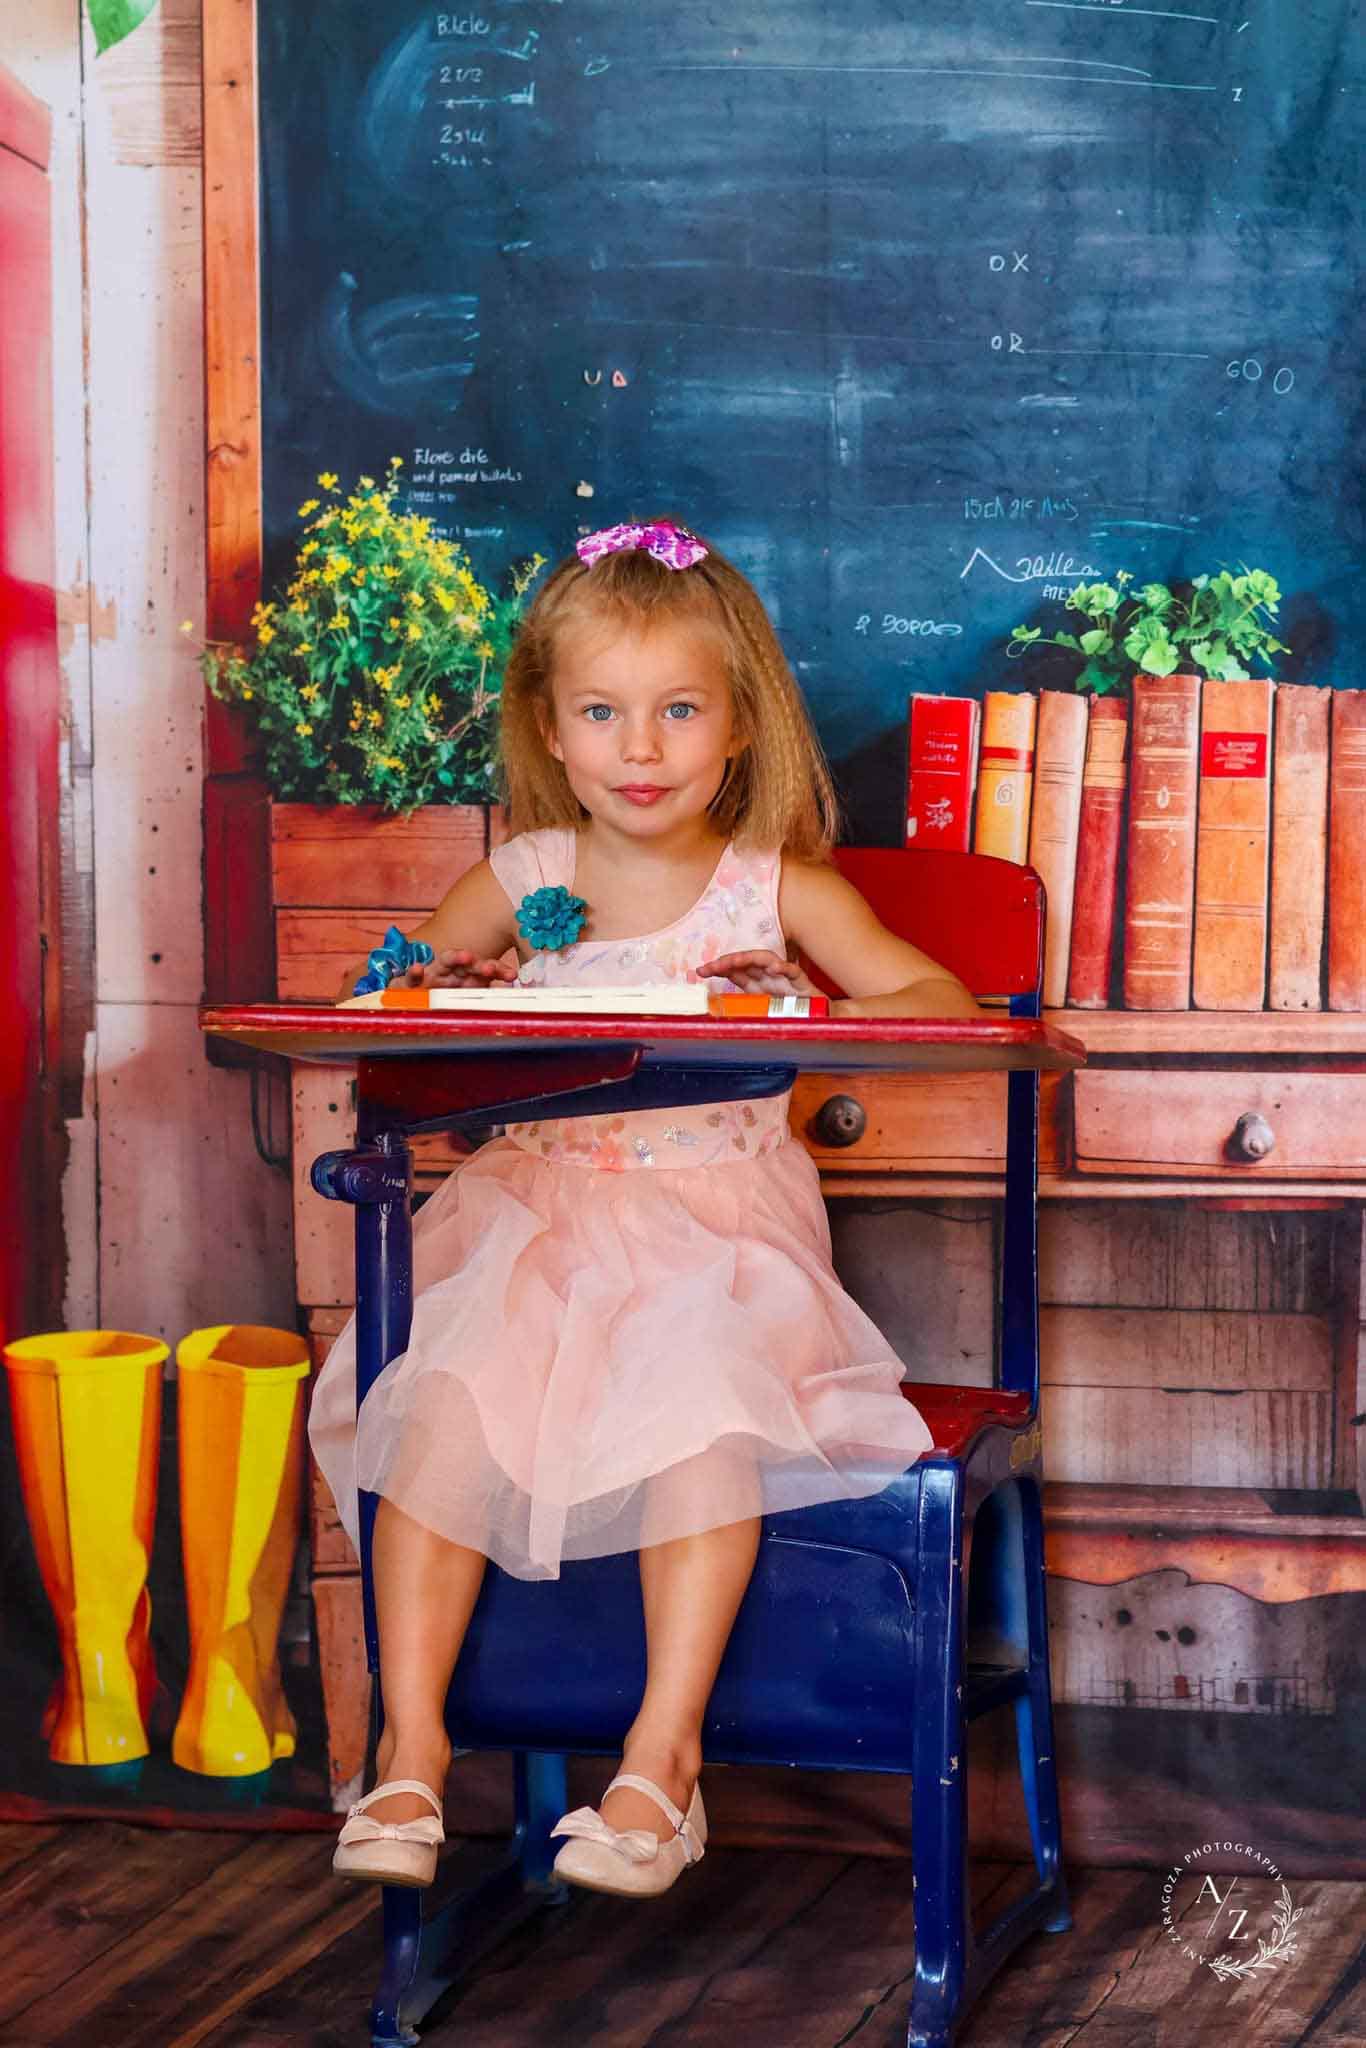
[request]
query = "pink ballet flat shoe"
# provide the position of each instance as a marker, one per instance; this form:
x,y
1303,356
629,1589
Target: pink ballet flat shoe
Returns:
x,y
391,1852
633,1864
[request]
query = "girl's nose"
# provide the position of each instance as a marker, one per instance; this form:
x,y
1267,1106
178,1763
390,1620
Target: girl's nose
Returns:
x,y
640,742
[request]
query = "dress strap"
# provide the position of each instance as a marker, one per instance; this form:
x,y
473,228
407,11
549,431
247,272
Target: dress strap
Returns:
x,y
535,860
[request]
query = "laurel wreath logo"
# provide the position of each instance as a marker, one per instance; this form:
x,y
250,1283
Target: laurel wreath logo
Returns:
x,y
1280,1949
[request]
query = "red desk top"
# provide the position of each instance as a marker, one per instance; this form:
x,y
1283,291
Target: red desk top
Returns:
x,y
319,1033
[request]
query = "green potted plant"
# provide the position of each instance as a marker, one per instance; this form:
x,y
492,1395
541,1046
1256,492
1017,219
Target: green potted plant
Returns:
x,y
371,690
1220,627
375,674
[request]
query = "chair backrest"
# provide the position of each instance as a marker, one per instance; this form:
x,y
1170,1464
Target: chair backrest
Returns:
x,y
980,917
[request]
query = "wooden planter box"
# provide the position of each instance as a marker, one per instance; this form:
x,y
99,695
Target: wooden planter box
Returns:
x,y
293,892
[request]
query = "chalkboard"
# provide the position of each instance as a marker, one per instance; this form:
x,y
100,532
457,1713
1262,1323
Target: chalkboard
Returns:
x,y
922,313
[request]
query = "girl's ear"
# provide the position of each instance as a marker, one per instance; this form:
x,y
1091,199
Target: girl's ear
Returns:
x,y
545,721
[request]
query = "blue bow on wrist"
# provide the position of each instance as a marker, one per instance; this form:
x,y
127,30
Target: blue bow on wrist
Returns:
x,y
390,959
551,918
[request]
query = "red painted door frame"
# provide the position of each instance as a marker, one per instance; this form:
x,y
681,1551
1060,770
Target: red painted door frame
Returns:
x,y
30,712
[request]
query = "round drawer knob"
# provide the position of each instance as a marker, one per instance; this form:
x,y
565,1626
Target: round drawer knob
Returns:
x,y
1252,1137
840,1120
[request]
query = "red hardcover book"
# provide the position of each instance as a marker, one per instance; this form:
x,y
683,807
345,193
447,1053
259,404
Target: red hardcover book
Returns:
x,y
1163,781
1347,853
1299,846
1102,808
1233,845
943,738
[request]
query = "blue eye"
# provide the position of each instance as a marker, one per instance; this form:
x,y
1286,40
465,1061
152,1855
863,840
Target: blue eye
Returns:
x,y
686,709
590,712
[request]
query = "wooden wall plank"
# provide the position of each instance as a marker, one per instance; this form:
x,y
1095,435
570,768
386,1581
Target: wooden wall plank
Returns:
x,y
1172,1255
1129,1347
231,339
1145,1435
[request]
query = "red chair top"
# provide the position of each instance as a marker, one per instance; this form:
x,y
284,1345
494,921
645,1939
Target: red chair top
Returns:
x,y
980,917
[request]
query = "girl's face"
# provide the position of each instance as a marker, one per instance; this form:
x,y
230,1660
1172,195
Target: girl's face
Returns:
x,y
643,723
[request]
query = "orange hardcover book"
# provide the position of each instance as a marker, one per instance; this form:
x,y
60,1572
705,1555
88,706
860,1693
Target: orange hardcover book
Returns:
x,y
1163,779
1347,853
1102,806
1059,757
1299,847
1005,774
1233,845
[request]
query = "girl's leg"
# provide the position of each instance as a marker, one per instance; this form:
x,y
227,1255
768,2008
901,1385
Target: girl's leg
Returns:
x,y
692,1590
425,1590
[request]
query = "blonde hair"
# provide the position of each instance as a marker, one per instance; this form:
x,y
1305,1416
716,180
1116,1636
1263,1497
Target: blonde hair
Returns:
x,y
777,792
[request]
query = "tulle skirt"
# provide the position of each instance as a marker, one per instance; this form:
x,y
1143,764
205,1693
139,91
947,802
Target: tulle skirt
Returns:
x,y
600,1361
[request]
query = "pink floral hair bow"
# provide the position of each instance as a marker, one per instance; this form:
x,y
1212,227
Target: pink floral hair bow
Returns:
x,y
672,545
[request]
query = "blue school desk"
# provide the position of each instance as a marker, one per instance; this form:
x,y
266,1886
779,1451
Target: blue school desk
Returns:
x,y
874,1631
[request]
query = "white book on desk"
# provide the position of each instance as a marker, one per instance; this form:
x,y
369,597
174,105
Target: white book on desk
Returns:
x,y
667,999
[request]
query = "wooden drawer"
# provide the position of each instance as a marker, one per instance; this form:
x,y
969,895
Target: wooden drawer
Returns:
x,y
925,1123
1179,1123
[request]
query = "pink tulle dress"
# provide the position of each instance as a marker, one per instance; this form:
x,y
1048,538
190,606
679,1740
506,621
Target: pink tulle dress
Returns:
x,y
626,1328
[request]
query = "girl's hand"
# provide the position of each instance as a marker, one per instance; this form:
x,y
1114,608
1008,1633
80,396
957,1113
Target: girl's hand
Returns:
x,y
761,973
457,968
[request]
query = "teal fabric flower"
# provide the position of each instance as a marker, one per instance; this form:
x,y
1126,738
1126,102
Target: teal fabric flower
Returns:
x,y
551,918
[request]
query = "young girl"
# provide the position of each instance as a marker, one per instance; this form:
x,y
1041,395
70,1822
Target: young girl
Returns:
x,y
628,1334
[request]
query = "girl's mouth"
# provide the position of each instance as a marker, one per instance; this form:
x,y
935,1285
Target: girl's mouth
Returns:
x,y
642,792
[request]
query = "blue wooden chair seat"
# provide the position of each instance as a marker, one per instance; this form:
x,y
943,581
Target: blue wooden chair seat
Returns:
x,y
873,1632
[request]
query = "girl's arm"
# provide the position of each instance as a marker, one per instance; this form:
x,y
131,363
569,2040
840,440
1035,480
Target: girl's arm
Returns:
x,y
830,922
470,929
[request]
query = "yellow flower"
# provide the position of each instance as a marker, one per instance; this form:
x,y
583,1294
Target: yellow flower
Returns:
x,y
432,706
339,560
466,623
367,483
485,649
309,692
310,547
395,462
303,730
265,634
403,702
415,599
338,624
392,571
444,598
304,647
358,577
391,761
395,624
248,694
375,717
309,505
328,480
414,630
299,609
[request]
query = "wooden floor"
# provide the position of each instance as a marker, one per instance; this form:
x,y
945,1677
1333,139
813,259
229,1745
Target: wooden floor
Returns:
x,y
114,1936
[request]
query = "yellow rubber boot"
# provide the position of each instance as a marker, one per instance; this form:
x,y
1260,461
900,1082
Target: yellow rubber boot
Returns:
x,y
87,1414
241,1427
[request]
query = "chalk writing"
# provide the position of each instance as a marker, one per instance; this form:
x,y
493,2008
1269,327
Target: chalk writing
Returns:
x,y
1250,370
1020,261
1033,568
1002,507
462,25
919,629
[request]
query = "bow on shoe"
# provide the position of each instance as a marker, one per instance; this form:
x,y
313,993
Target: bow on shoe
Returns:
x,y
637,1845
360,1827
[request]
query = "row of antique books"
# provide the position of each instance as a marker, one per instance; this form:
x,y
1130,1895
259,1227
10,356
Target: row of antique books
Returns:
x,y
1244,834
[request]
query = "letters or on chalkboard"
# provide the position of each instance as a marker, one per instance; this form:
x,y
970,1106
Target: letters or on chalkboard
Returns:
x,y
922,314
